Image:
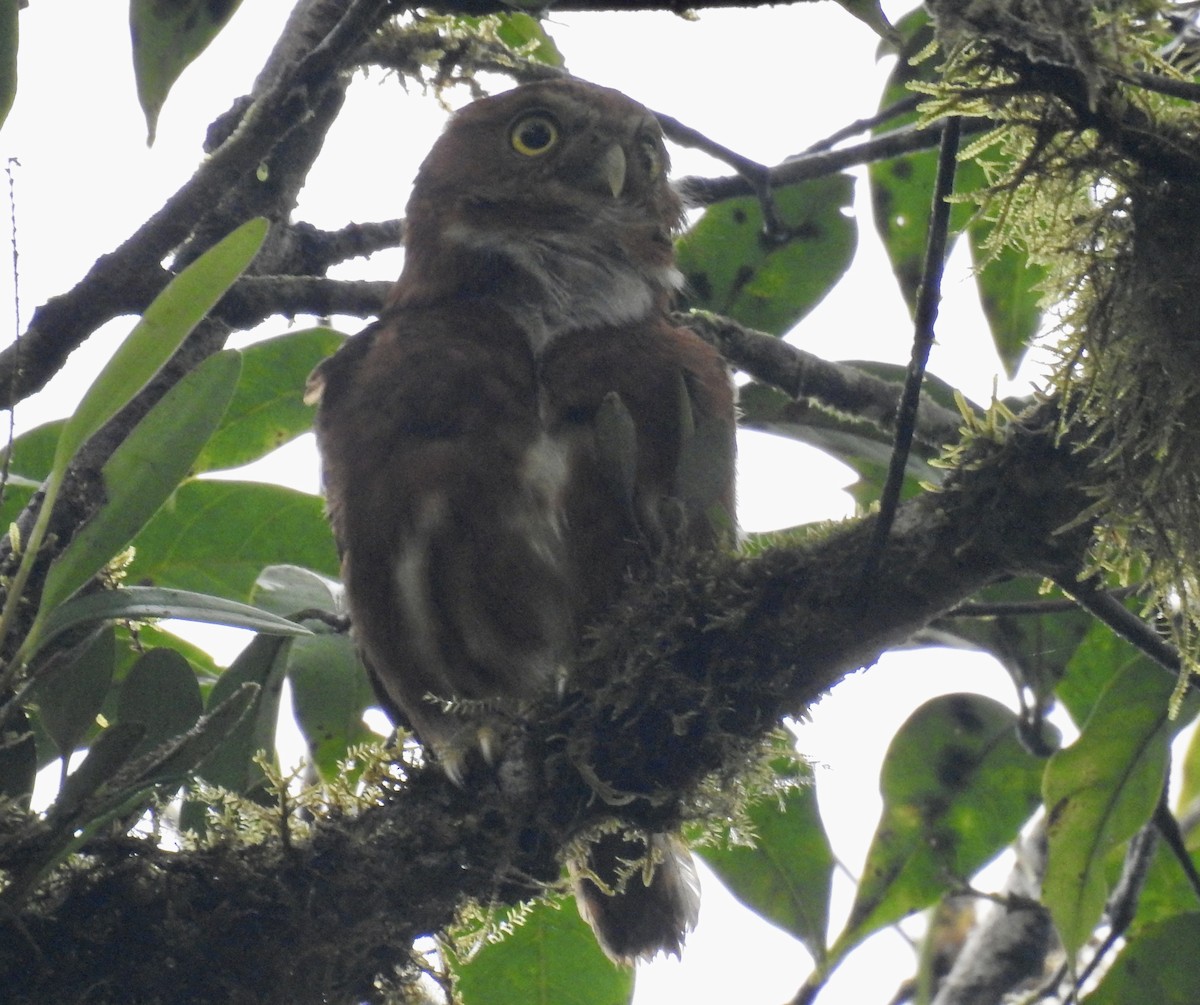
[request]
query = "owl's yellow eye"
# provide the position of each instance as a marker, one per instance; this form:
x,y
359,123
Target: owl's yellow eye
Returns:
x,y
652,158
533,134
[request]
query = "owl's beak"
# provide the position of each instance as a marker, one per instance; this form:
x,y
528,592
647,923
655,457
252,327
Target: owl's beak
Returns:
x,y
610,169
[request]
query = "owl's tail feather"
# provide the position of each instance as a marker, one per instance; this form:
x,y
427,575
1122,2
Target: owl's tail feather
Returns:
x,y
635,919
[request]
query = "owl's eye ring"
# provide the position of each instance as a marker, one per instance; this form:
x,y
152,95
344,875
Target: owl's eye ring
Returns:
x,y
533,134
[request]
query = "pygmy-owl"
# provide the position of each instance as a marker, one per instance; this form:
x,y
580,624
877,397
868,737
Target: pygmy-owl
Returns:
x,y
503,446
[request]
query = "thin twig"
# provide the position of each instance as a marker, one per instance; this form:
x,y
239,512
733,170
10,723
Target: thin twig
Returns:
x,y
928,298
1169,830
1023,608
1108,609
894,110
1189,90
688,136
16,278
908,139
757,175
1122,903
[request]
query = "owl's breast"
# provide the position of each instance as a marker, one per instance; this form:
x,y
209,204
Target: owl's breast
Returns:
x,y
552,281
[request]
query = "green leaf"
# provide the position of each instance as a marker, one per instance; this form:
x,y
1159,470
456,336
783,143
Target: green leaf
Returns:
x,y
172,762
167,35
786,874
1159,967
70,688
957,786
1098,658
552,957
1100,790
289,591
18,758
521,31
1165,892
142,472
160,692
161,330
32,456
860,444
8,56
84,802
1010,294
330,692
902,193
134,638
32,453
856,442
268,409
111,783
902,188
1036,648
231,765
110,751
732,269
216,536
1189,771
135,603
166,323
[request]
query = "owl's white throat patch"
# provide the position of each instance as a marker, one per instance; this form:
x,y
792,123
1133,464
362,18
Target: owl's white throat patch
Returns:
x,y
580,280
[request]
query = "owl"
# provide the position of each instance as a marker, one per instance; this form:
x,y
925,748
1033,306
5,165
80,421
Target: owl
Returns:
x,y
519,432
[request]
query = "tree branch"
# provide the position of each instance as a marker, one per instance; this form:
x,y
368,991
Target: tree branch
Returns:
x,y
929,296
839,387
255,298
692,671
1012,943
128,278
697,191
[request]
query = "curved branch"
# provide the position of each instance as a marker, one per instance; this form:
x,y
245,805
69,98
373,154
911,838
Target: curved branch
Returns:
x,y
282,129
839,387
128,278
705,191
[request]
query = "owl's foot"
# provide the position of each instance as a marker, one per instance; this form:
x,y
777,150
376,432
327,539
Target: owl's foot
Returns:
x,y
455,756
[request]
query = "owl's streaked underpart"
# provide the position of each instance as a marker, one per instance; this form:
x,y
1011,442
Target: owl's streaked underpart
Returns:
x,y
501,447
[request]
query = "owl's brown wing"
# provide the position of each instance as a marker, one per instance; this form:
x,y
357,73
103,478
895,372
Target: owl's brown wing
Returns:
x,y
444,493
665,395
648,412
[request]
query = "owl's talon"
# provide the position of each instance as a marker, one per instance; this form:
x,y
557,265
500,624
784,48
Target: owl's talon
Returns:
x,y
489,745
456,755
454,763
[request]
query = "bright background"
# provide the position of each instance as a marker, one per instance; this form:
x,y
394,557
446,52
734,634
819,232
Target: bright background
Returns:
x,y
767,83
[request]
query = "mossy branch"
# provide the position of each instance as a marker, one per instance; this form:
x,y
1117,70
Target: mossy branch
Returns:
x,y
693,671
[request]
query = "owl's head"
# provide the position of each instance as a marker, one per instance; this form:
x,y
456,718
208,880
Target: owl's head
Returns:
x,y
556,191
553,150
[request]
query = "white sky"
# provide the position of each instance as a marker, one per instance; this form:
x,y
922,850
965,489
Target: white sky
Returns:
x,y
767,83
